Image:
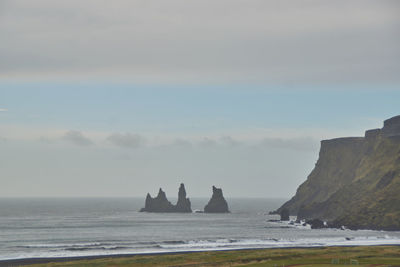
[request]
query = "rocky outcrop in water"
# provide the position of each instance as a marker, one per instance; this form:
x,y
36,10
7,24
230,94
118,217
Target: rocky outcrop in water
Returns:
x,y
183,204
161,204
217,203
316,224
284,215
158,204
355,182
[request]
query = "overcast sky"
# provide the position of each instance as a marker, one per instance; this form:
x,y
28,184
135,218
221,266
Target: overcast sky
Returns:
x,y
118,98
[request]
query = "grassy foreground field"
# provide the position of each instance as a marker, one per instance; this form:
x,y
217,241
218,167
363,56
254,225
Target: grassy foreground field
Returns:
x,y
324,256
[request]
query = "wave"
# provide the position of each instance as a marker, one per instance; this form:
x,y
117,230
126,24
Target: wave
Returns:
x,y
91,246
174,242
96,248
55,245
110,248
275,243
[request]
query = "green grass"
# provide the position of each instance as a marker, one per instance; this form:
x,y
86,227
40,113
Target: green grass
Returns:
x,y
364,256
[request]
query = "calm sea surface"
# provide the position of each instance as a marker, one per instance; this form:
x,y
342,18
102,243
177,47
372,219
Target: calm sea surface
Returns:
x,y
57,227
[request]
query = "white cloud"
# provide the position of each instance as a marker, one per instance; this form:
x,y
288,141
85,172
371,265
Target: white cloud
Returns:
x,y
77,138
127,140
230,138
3,110
301,144
112,171
236,161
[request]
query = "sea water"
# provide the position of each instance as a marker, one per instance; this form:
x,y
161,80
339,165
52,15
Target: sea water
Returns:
x,y
57,227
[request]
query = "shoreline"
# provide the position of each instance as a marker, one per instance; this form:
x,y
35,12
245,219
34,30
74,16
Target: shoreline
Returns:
x,y
45,260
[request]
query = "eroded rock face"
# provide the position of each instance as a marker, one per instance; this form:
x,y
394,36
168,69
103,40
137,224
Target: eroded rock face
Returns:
x,y
161,204
217,203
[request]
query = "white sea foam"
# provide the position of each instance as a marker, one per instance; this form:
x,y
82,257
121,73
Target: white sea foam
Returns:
x,y
201,245
270,243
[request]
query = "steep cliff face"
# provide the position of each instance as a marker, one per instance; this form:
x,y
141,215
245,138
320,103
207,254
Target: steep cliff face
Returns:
x,y
373,200
356,181
391,127
161,204
335,168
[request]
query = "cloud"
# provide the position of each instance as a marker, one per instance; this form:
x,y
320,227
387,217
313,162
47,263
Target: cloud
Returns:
x,y
303,144
3,110
207,142
182,143
210,41
127,140
229,141
77,138
299,144
223,141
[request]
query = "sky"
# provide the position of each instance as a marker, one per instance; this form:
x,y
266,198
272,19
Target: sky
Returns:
x,y
119,98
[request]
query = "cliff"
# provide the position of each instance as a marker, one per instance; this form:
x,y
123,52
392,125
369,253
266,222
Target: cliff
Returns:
x,y
161,204
355,182
217,203
391,127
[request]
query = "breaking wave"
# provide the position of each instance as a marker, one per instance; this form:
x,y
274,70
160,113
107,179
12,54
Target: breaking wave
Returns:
x,y
110,248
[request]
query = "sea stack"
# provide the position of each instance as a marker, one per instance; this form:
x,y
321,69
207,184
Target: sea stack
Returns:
x,y
161,203
158,204
183,204
217,203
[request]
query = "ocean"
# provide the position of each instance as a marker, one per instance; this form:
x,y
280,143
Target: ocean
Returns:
x,y
67,227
